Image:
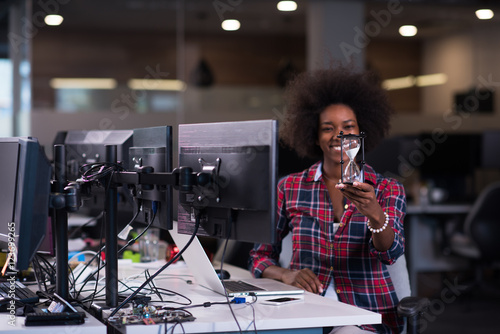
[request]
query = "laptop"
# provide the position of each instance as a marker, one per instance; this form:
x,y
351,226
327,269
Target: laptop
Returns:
x,y
204,273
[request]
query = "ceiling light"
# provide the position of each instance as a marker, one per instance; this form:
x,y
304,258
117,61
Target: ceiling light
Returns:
x,y
399,83
484,14
230,25
408,30
82,83
53,20
431,79
156,84
419,81
287,6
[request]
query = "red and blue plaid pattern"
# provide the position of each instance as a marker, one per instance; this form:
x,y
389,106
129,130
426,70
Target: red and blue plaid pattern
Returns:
x,y
348,256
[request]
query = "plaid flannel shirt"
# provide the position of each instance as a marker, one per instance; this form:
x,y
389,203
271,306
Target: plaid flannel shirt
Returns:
x,y
348,256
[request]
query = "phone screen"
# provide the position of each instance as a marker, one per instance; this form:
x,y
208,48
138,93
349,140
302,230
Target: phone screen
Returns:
x,y
281,300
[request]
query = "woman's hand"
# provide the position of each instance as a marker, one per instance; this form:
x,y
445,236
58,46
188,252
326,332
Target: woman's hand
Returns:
x,y
362,195
304,278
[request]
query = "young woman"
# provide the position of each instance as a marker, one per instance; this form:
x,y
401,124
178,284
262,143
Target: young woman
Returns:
x,y
343,235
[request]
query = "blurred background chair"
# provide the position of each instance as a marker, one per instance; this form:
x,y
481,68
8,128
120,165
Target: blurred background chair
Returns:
x,y
480,239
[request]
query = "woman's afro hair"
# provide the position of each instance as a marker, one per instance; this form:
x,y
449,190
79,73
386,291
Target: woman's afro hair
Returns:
x,y
309,93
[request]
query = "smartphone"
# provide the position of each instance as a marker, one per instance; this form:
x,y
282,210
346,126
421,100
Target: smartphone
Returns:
x,y
281,301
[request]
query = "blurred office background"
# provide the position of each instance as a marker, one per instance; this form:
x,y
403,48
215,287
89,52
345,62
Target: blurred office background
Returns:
x,y
125,64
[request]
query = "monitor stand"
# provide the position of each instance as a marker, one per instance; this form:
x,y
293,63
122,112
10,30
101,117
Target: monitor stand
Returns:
x,y
61,225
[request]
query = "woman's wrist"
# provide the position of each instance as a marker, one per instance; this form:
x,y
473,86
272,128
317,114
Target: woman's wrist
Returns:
x,y
378,225
274,272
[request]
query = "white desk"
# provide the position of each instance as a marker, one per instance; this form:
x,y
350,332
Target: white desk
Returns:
x,y
308,316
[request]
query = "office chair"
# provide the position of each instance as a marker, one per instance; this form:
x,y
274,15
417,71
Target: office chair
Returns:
x,y
479,242
410,308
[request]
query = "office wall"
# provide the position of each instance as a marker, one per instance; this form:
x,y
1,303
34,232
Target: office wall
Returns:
x,y
246,80
469,58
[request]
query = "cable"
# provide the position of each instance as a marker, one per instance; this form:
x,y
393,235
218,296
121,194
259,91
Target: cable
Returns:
x,y
197,225
125,231
103,169
254,300
131,241
99,261
222,279
152,284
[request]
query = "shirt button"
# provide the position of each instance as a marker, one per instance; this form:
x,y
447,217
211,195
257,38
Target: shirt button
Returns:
x,y
331,268
341,224
338,290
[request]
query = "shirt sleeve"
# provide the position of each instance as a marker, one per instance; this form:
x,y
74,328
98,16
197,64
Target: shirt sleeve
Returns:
x,y
265,255
394,204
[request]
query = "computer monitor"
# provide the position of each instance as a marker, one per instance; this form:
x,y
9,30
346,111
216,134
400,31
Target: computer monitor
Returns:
x,y
450,163
242,157
152,147
489,149
87,147
25,175
397,157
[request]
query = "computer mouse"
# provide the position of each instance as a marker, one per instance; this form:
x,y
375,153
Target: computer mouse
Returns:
x,y
222,275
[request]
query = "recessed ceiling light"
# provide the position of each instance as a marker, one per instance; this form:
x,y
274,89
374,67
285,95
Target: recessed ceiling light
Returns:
x,y
287,6
484,14
83,83
408,30
431,80
53,20
156,84
231,25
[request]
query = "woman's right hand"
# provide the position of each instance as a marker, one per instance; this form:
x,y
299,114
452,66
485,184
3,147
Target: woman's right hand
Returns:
x,y
304,279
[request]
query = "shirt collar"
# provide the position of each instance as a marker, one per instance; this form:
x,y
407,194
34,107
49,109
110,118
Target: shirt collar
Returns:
x,y
318,171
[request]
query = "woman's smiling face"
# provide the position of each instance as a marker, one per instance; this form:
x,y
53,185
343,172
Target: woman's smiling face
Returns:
x,y
332,120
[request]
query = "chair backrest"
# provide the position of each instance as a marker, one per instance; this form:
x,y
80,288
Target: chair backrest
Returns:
x,y
400,278
482,223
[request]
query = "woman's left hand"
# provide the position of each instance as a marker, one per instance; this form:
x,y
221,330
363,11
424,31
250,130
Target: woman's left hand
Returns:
x,y
362,195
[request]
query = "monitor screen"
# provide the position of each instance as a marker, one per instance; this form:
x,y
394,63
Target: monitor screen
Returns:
x,y
450,153
450,163
25,174
87,147
396,157
152,147
490,148
243,156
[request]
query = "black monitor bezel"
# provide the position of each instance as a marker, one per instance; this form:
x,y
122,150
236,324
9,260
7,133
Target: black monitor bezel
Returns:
x,y
247,224
31,205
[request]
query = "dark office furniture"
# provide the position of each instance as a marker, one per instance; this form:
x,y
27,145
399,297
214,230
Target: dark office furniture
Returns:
x,y
479,242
